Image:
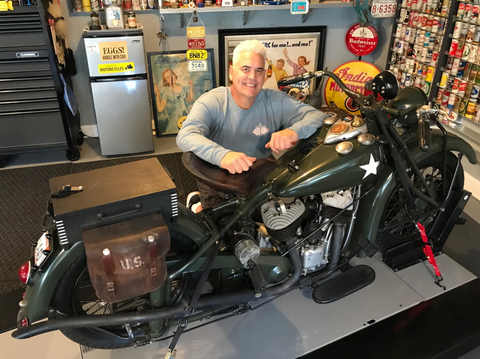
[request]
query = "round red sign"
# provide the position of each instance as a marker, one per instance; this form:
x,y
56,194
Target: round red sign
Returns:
x,y
361,40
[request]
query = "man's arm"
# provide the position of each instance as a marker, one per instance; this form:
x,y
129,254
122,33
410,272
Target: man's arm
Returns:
x,y
193,137
194,132
300,117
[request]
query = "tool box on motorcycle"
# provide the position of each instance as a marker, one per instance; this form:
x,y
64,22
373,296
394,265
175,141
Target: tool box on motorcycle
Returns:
x,y
110,195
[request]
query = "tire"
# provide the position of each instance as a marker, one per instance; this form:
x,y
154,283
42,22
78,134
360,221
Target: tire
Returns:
x,y
75,285
396,209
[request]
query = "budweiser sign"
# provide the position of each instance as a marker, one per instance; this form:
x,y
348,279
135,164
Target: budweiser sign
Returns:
x,y
354,74
361,40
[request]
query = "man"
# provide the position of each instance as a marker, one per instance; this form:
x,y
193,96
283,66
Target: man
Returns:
x,y
232,127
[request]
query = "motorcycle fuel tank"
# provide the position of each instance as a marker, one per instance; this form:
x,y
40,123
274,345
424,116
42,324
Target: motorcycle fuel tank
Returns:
x,y
323,170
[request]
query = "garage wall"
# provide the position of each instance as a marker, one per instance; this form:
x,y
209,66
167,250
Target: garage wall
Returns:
x,y
337,20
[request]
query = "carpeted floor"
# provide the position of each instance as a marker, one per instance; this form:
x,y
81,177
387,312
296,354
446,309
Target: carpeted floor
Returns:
x,y
23,196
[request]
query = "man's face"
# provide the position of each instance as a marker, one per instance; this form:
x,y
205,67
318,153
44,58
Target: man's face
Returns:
x,y
248,74
279,65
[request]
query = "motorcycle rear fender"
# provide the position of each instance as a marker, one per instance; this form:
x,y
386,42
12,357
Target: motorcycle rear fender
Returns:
x,y
39,294
372,206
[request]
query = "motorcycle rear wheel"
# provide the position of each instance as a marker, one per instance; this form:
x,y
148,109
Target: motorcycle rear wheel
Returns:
x,y
396,209
75,296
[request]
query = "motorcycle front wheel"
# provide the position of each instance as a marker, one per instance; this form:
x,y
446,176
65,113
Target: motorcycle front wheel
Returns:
x,y
396,210
75,296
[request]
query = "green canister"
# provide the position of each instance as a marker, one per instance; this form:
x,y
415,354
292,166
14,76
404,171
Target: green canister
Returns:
x,y
463,107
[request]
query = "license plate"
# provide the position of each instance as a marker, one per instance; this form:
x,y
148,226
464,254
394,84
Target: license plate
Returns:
x,y
43,244
197,65
384,8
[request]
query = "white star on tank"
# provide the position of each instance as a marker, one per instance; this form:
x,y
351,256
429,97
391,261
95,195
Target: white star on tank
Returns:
x,y
371,168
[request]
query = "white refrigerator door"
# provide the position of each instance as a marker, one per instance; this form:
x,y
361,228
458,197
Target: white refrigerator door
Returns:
x,y
123,116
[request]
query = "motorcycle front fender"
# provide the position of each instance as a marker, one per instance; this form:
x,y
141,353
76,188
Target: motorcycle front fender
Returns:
x,y
454,143
39,294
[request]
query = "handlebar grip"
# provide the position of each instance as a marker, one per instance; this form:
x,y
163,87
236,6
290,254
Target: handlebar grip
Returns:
x,y
290,80
424,135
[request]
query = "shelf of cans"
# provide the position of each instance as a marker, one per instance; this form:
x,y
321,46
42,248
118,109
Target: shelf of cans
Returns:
x,y
417,42
128,5
459,86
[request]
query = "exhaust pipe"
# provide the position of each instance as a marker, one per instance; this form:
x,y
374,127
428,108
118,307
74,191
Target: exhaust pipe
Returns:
x,y
206,301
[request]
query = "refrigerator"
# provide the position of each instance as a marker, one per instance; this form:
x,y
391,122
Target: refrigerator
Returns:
x,y
118,80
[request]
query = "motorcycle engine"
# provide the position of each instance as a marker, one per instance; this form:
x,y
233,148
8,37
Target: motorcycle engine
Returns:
x,y
283,219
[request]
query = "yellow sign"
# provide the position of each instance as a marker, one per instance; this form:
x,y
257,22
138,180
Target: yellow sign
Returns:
x,y
112,68
113,51
196,32
3,6
197,54
354,74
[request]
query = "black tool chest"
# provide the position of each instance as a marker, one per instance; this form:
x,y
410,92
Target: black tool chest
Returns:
x,y
33,114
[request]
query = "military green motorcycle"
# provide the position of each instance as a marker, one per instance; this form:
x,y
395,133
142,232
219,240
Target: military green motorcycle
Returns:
x,y
383,181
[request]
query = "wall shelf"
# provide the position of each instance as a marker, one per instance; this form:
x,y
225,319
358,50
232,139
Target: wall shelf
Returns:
x,y
324,4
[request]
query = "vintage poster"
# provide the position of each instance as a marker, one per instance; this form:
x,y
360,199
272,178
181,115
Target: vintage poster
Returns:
x,y
175,87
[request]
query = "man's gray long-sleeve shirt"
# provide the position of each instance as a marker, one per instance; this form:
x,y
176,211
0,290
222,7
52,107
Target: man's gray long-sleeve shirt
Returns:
x,y
216,125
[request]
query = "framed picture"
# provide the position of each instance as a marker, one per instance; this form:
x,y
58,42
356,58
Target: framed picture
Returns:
x,y
290,51
174,87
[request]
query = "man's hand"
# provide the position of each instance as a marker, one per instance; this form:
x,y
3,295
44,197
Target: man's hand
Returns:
x,y
236,162
282,140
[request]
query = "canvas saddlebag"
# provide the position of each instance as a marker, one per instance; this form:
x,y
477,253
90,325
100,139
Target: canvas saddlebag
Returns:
x,y
127,259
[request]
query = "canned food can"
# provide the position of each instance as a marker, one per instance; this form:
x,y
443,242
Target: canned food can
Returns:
x,y
467,48
456,105
468,90
441,25
435,24
444,80
418,82
476,35
408,35
407,79
473,73
395,71
434,60
403,31
409,50
408,17
143,4
461,44
461,88
457,29
400,45
463,107
456,84
476,117
454,69
402,62
470,110
475,11
433,38
466,71
426,86
475,91
421,38
439,95
461,68
403,12
402,80
423,57
426,40
424,21
446,96
430,71
416,66
470,33
449,63
477,78
451,101
132,20
450,84
473,53
453,47
429,22
467,15
461,10
409,3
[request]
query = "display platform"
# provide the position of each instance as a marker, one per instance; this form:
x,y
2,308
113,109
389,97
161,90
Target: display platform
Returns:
x,y
294,325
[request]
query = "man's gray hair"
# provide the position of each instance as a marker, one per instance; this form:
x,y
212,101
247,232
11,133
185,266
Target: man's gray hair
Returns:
x,y
254,46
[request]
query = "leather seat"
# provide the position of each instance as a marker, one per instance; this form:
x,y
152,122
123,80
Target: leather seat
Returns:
x,y
244,183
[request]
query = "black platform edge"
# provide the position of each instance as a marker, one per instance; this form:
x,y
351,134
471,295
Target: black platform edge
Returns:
x,y
444,327
344,284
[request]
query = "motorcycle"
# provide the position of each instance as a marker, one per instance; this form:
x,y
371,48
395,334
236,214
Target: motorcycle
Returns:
x,y
383,181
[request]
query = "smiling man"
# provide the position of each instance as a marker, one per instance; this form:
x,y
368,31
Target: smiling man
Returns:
x,y
232,127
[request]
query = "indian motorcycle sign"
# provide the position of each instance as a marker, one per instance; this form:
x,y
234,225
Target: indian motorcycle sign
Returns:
x,y
354,74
